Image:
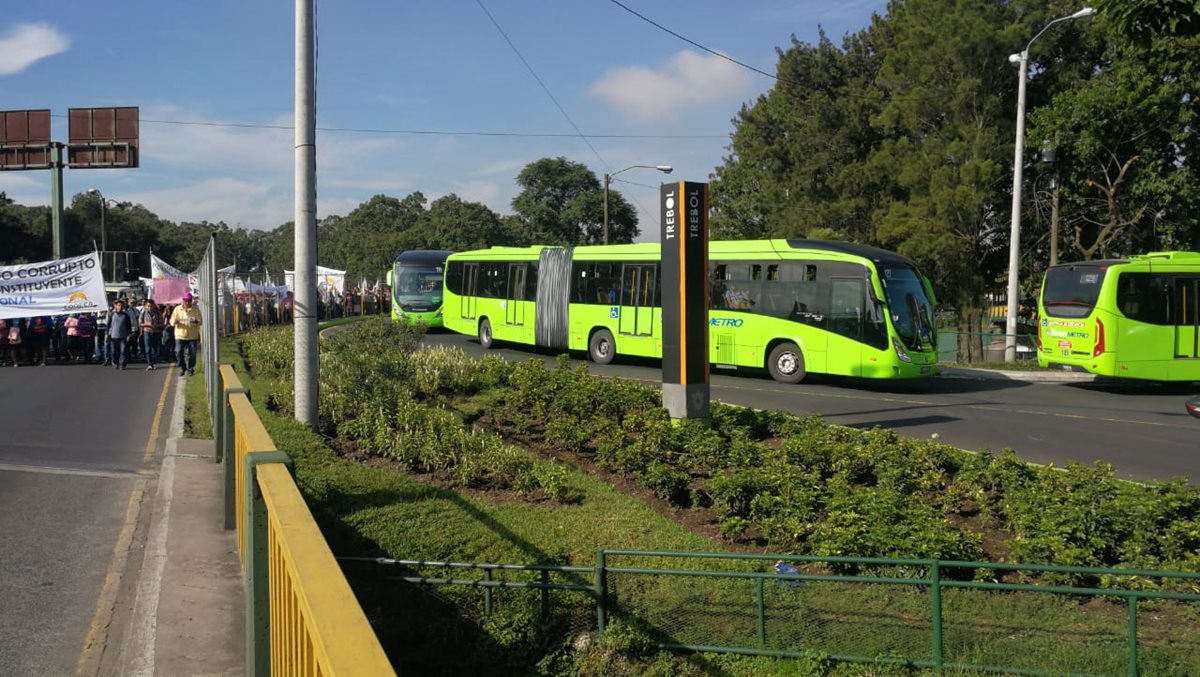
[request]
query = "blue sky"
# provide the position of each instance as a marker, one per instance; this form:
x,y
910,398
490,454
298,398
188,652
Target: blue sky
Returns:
x,y
432,66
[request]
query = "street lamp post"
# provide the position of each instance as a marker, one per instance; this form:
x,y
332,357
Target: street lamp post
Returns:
x,y
1014,246
665,169
103,209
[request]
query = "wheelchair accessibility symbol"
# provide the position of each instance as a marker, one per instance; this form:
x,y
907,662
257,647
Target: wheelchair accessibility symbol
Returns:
x,y
614,312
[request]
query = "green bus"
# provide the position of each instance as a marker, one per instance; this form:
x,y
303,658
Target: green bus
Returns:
x,y
1132,318
791,306
416,283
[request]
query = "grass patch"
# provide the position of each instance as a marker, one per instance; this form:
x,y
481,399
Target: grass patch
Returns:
x,y
343,320
767,478
197,423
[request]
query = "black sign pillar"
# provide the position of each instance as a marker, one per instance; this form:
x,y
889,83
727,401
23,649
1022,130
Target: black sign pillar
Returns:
x,y
685,299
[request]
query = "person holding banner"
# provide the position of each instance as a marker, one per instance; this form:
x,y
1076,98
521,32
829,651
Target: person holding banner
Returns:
x,y
186,322
41,330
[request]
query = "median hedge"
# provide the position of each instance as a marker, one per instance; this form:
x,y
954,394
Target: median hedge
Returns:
x,y
768,479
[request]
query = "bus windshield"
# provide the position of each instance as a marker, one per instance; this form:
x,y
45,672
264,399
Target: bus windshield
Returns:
x,y
912,314
418,286
1072,291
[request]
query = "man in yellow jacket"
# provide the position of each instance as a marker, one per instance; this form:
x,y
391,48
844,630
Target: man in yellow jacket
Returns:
x,y
185,319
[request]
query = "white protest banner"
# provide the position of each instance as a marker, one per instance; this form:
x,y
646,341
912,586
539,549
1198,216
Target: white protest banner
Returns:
x,y
330,282
161,270
74,285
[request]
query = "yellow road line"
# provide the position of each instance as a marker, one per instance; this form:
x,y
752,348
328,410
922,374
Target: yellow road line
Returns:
x,y
152,443
93,645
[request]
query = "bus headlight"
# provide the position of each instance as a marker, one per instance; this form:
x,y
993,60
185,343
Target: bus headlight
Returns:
x,y
900,350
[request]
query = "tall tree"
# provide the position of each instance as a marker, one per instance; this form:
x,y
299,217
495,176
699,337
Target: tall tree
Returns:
x,y
796,167
1125,140
562,202
366,241
458,225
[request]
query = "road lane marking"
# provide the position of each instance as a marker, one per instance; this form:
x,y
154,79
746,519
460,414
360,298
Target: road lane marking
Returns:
x,y
138,653
1080,417
97,636
81,472
151,444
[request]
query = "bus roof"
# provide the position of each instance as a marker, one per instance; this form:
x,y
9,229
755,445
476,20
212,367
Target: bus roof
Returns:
x,y
866,251
716,248
423,256
1186,258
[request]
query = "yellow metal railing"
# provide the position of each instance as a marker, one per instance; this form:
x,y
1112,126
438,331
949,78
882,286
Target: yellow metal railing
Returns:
x,y
310,598
302,616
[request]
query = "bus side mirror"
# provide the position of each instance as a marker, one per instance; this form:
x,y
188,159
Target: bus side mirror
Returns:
x,y
872,293
1193,407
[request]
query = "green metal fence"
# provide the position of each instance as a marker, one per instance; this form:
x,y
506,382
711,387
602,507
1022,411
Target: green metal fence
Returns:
x,y
964,617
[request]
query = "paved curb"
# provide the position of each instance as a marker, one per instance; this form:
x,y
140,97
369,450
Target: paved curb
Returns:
x,y
1017,375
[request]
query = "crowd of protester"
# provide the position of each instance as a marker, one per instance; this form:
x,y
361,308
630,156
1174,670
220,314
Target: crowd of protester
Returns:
x,y
132,331
137,330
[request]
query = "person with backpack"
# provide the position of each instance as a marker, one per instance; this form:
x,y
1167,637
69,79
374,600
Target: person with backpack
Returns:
x,y
151,323
86,334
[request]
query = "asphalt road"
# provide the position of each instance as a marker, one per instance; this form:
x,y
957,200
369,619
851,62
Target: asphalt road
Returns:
x,y
73,442
1142,429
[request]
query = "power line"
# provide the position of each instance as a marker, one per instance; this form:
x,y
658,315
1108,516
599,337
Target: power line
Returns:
x,y
691,42
578,132
428,132
853,95
546,89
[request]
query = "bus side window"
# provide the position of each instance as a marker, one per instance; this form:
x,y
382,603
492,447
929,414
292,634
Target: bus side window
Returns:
x,y
580,276
1144,297
454,277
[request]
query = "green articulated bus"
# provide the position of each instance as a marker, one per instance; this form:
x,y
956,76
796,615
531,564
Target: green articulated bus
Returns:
x,y
790,306
416,283
1133,318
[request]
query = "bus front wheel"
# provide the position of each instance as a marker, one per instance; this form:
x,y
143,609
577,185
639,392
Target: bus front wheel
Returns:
x,y
485,334
601,348
786,363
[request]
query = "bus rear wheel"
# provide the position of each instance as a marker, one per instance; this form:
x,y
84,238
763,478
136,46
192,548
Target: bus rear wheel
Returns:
x,y
786,363
601,347
485,334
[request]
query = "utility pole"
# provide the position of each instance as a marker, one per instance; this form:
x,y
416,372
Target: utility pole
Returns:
x,y
305,306
1054,196
56,199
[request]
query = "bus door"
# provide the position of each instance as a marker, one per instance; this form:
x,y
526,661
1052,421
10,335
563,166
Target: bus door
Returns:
x,y
637,299
847,303
470,290
1187,318
514,312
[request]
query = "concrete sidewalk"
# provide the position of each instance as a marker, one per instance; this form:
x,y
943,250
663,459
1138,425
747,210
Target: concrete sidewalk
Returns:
x,y
189,614
202,608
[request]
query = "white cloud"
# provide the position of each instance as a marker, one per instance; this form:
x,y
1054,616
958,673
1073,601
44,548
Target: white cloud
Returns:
x,y
511,167
251,203
194,142
486,192
26,44
688,78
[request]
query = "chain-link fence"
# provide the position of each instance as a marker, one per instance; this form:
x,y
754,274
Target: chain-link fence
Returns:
x,y
982,347
961,616
209,304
